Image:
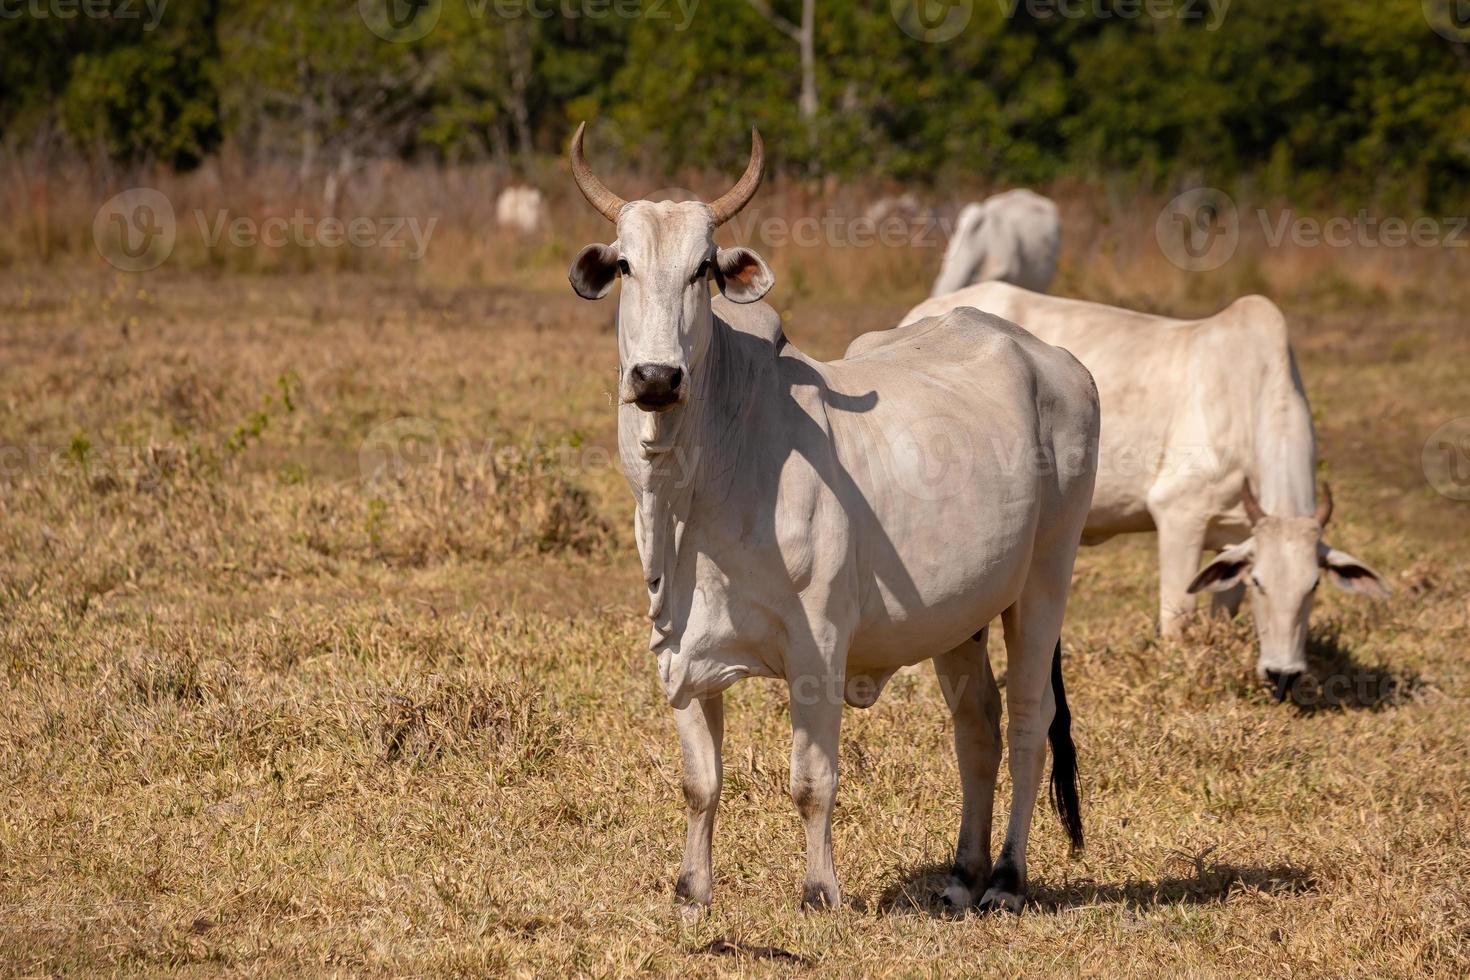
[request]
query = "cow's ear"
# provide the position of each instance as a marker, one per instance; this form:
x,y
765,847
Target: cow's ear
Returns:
x,y
743,276
1351,575
1226,571
593,270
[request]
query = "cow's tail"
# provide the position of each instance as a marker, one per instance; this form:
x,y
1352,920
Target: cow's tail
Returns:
x,y
1064,789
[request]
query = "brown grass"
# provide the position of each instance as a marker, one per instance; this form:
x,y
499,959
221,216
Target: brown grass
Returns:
x,y
271,707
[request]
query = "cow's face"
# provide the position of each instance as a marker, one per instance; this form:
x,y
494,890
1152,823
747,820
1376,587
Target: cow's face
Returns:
x,y
665,257
1281,564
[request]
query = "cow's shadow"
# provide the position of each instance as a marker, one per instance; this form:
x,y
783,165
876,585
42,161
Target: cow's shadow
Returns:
x,y
1335,680
916,890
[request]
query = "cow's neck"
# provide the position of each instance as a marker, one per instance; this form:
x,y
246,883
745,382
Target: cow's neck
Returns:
x,y
1286,454
672,463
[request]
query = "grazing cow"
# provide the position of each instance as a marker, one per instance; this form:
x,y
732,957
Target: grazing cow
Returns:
x,y
794,521
1196,413
1012,237
521,209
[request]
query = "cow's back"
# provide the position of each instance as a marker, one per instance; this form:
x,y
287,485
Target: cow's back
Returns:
x,y
1179,397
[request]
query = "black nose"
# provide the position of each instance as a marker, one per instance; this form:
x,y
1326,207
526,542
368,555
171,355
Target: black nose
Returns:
x,y
655,385
1282,681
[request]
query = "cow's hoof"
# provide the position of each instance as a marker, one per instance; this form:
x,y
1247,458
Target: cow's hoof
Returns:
x,y
999,901
691,912
955,900
817,896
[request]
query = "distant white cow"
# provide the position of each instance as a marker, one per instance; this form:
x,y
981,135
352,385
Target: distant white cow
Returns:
x,y
1013,237
1195,414
521,209
904,207
792,523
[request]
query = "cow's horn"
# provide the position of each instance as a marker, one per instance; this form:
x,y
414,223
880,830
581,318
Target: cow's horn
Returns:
x,y
1253,510
730,203
595,191
1324,508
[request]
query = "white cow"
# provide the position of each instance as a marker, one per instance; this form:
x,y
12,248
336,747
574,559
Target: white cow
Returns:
x,y
1195,414
521,209
1013,237
796,519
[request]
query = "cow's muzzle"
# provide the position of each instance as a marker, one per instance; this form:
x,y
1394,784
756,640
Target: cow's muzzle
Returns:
x,y
1282,682
656,387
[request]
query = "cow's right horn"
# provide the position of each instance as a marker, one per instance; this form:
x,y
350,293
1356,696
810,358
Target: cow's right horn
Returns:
x,y
737,197
595,191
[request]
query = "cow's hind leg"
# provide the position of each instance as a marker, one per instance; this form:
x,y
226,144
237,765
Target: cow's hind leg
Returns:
x,y
701,731
969,689
1035,709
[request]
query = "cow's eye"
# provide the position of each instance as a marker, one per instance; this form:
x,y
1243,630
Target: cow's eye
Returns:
x,y
1257,583
701,272
623,267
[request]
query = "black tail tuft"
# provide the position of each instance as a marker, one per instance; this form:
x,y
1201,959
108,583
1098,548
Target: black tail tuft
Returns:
x,y
1064,795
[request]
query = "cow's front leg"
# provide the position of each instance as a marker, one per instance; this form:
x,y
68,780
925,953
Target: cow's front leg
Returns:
x,y
816,726
1181,542
701,731
1226,604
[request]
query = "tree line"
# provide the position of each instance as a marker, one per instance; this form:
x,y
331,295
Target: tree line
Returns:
x,y
1303,97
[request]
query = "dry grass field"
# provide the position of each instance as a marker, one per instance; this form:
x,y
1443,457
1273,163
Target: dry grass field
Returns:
x,y
323,654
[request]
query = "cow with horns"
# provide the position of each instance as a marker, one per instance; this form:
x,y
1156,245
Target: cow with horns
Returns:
x,y
830,523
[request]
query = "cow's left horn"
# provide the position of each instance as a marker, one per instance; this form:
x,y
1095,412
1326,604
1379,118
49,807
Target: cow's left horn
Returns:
x,y
595,191
737,197
1324,507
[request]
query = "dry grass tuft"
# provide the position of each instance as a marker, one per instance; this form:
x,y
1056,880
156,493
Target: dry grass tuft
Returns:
x,y
505,727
